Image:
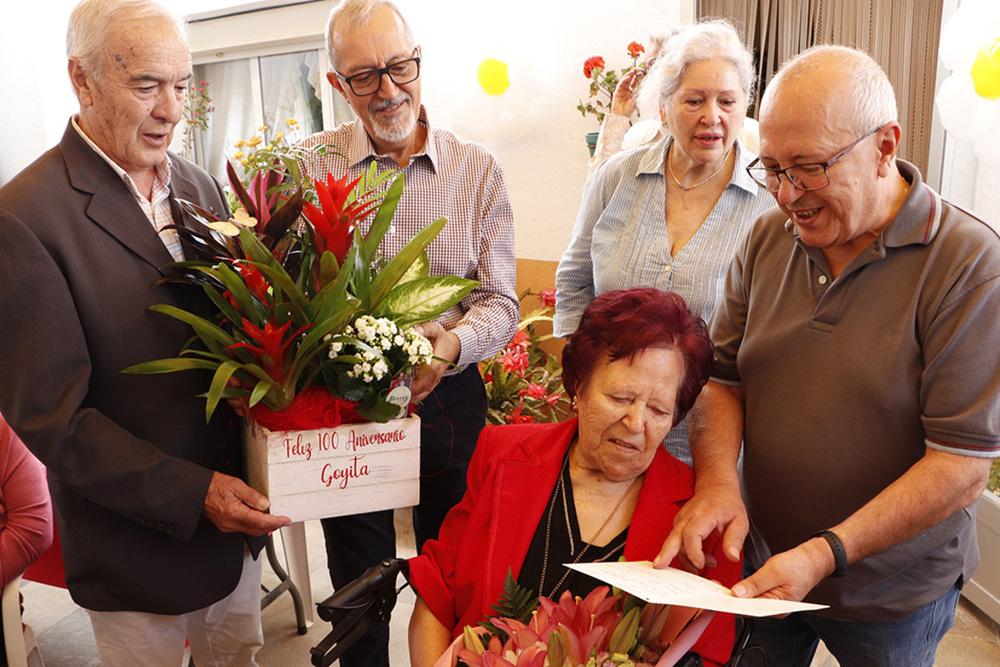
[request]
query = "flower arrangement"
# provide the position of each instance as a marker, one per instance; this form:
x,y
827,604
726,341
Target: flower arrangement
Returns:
x,y
603,82
523,381
197,110
310,305
601,630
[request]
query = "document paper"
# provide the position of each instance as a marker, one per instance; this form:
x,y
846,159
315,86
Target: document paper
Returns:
x,y
673,586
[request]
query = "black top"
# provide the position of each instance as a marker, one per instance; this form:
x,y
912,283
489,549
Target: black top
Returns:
x,y
565,546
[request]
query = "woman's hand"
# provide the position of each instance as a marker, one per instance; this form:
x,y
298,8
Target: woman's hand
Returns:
x,y
623,102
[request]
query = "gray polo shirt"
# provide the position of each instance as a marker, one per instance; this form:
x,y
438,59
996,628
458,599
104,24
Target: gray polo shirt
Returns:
x,y
848,379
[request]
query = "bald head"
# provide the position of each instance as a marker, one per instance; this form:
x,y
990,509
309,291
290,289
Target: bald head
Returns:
x,y
848,84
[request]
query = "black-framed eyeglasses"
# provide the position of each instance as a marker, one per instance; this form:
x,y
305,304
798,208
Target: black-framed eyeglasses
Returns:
x,y
369,81
810,176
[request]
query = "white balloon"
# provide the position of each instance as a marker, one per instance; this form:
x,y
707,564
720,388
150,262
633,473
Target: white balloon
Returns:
x,y
969,29
958,104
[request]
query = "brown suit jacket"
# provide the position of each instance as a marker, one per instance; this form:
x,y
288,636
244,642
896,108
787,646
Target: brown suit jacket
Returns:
x,y
129,457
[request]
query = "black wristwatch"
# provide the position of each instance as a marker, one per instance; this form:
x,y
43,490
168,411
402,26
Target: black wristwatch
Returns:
x,y
839,553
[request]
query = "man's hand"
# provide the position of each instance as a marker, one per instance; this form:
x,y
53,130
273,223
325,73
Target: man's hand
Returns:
x,y
791,574
236,508
446,346
714,509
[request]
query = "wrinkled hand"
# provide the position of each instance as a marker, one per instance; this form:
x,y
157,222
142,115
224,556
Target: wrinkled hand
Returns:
x,y
446,346
623,102
234,507
791,574
714,509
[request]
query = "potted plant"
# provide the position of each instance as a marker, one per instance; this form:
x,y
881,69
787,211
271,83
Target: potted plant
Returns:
x,y
312,330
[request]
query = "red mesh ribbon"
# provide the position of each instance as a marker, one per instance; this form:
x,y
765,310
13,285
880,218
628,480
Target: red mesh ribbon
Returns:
x,y
313,408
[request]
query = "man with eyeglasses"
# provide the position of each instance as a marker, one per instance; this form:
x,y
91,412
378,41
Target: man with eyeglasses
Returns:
x,y
849,362
375,64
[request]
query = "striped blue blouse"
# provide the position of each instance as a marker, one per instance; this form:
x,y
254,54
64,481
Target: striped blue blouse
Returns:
x,y
620,241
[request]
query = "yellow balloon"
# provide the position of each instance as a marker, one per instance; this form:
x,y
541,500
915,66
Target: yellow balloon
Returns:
x,y
493,76
986,72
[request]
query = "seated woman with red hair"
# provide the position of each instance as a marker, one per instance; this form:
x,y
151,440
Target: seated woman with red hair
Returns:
x,y
593,488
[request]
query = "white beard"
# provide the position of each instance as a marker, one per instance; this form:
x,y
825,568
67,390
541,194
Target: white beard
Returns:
x,y
398,129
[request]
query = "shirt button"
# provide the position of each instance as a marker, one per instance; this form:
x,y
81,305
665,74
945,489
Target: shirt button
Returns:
x,y
822,280
667,270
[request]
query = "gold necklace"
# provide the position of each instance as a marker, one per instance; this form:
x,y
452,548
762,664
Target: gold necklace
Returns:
x,y
560,490
684,190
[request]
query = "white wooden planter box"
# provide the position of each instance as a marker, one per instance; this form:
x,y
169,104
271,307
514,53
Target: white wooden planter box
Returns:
x,y
347,469
984,589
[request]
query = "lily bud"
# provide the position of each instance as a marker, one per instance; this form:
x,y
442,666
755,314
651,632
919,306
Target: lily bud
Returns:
x,y
557,653
472,640
623,637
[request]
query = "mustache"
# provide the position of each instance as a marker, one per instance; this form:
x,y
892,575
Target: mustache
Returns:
x,y
382,105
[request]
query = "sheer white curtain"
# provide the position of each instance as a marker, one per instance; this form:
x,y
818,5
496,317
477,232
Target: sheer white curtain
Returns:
x,y
234,117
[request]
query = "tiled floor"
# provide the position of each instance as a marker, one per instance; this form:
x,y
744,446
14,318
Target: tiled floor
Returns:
x,y
65,638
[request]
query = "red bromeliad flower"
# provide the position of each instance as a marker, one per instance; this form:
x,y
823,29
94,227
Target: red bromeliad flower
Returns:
x,y
272,346
333,222
590,64
254,279
635,48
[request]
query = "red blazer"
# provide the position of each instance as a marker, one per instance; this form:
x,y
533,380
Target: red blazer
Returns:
x,y
511,477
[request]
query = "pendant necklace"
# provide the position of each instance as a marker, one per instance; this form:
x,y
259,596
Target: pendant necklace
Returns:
x,y
684,190
560,491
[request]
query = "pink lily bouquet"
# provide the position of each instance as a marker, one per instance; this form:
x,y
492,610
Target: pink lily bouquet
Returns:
x,y
305,303
600,630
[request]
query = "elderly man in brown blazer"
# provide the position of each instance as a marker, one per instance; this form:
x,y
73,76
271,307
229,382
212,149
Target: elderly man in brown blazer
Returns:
x,y
153,517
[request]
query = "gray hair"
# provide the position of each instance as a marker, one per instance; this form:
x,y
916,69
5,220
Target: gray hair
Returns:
x,y
356,14
92,23
871,102
686,45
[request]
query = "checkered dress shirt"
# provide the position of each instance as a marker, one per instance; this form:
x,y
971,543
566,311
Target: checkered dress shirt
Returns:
x,y
465,183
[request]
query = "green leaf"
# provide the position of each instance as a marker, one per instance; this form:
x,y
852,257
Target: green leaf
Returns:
x,y
515,602
424,299
389,276
380,412
205,329
215,390
171,366
259,391
421,268
383,219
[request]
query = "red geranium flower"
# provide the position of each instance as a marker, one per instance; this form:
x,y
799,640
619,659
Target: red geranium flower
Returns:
x,y
590,64
635,48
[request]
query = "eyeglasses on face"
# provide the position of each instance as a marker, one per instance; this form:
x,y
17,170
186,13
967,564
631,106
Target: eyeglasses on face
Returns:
x,y
810,176
369,81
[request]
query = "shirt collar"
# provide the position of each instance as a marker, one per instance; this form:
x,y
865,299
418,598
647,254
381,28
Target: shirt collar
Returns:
x,y
362,147
162,169
655,158
919,217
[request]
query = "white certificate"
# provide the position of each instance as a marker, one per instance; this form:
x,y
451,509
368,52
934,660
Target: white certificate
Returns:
x,y
677,587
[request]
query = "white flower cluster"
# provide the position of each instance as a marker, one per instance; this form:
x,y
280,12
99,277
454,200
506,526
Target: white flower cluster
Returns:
x,y
383,335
